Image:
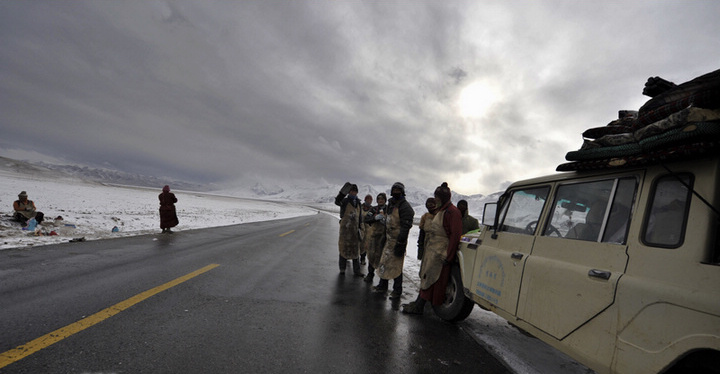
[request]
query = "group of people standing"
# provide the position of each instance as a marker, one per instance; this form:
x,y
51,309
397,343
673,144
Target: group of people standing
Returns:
x,y
380,233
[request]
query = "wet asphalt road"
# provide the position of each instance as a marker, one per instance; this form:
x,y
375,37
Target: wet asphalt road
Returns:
x,y
275,303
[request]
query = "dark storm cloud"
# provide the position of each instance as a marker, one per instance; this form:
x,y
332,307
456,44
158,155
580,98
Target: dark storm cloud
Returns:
x,y
318,90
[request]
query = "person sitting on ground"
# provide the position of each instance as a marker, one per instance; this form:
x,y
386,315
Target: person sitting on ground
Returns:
x,y
25,210
469,222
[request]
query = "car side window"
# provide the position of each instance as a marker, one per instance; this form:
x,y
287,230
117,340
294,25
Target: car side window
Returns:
x,y
619,220
523,210
668,210
593,211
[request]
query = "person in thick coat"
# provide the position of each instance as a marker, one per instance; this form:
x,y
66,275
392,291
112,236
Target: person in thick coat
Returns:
x,y
25,209
425,222
397,227
350,228
469,222
365,240
375,232
440,252
168,215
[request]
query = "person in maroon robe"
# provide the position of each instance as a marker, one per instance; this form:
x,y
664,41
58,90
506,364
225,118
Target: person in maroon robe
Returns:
x,y
443,239
168,217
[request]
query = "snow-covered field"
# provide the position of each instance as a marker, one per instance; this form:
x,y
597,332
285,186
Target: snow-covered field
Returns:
x,y
90,210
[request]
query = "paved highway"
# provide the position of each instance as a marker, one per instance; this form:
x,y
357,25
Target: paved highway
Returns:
x,y
252,298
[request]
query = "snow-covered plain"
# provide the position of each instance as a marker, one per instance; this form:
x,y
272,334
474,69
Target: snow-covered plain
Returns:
x,y
94,209
91,210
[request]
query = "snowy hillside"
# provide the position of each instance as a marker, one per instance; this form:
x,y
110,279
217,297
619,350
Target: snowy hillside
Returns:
x,y
319,191
91,207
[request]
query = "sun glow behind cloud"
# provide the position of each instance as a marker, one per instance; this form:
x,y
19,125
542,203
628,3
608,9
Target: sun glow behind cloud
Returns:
x,y
475,100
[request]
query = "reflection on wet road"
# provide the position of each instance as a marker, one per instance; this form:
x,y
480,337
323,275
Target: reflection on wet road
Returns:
x,y
275,303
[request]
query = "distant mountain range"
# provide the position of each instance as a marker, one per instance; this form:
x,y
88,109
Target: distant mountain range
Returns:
x,y
297,191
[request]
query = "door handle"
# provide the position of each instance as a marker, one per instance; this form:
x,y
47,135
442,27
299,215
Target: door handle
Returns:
x,y
517,256
602,274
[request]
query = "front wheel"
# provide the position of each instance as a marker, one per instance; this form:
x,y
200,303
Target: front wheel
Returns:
x,y
456,306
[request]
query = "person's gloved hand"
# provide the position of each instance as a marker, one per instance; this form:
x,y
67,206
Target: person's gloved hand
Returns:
x,y
399,250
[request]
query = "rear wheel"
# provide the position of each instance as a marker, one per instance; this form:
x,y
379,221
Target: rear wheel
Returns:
x,y
456,307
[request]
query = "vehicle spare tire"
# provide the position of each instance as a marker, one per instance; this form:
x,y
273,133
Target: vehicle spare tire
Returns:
x,y
456,307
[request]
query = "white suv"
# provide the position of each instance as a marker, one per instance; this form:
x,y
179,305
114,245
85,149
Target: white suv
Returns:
x,y
620,269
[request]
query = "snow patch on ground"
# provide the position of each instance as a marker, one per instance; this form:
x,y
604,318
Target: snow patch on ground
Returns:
x,y
91,210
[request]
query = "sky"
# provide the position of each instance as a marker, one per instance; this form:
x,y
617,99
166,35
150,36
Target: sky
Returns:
x,y
475,93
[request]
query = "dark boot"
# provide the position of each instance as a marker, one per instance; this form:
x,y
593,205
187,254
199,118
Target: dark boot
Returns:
x,y
382,287
369,278
397,287
356,268
342,263
415,307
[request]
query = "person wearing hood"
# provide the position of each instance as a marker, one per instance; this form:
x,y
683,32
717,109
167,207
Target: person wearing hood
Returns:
x,y
365,240
440,252
425,222
350,228
25,210
168,215
375,233
399,221
469,222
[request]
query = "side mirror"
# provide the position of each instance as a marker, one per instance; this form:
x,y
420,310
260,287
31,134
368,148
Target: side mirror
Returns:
x,y
489,213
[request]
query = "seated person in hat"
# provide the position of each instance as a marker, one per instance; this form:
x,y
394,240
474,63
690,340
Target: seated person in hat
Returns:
x,y
25,209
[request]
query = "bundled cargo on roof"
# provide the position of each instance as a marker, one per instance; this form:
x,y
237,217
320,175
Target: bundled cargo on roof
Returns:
x,y
679,121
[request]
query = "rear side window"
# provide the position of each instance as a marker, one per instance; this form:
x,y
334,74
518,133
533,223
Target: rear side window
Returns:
x,y
597,211
668,211
521,214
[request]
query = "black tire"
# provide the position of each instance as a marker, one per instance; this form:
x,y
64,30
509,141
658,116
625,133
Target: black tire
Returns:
x,y
456,307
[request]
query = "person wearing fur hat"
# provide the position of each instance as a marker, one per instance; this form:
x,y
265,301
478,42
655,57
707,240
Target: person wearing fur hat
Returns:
x,y
168,216
25,209
350,228
440,252
399,221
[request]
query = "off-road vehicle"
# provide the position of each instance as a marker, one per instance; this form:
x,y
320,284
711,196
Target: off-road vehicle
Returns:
x,y
616,263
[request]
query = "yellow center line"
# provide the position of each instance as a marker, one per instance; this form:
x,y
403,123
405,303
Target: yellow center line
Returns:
x,y
287,233
16,354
